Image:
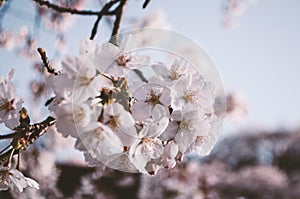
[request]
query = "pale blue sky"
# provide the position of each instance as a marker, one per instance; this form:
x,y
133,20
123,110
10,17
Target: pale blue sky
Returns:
x,y
259,58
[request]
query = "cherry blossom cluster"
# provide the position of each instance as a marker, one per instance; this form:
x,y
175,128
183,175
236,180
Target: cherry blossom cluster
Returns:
x,y
10,105
129,112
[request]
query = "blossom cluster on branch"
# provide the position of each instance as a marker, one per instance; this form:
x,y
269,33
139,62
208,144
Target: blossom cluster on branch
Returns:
x,y
125,120
125,109
16,118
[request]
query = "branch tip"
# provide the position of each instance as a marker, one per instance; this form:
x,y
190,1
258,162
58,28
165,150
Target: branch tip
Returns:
x,y
46,63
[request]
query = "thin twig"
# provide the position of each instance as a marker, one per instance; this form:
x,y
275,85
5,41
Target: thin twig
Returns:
x,y
5,156
61,9
48,102
7,136
119,14
140,75
45,60
101,13
107,18
4,149
104,11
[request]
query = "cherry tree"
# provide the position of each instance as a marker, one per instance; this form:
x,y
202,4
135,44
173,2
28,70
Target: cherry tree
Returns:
x,y
123,106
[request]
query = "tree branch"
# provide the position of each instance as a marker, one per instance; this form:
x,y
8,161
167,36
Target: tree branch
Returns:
x,y
7,136
146,3
107,18
101,13
119,14
38,130
61,9
45,60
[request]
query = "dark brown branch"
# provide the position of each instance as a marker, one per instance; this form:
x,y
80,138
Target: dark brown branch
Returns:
x,y
61,9
48,102
146,3
104,11
38,130
45,60
119,14
101,13
7,136
107,18
5,156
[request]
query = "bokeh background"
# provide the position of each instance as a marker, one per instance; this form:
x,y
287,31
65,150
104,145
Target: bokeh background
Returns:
x,y
255,46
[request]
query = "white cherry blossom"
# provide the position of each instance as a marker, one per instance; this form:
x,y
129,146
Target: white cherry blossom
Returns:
x,y
100,141
187,129
121,122
80,75
72,117
119,60
147,98
89,48
156,124
86,84
10,103
169,154
194,90
61,85
153,166
15,180
122,162
143,151
172,127
204,144
169,75
148,146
